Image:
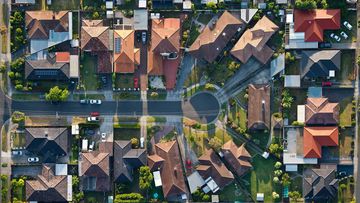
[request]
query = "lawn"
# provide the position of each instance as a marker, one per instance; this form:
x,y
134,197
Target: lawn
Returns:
x,y
4,139
160,96
238,115
300,96
260,138
347,73
194,77
241,96
60,5
124,81
154,119
126,96
24,96
19,140
232,193
4,187
19,193
91,197
346,138
296,184
3,44
346,195
88,74
345,111
261,178
293,68
126,133
218,72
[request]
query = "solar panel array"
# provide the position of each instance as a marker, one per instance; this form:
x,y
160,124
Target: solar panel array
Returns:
x,y
117,45
46,72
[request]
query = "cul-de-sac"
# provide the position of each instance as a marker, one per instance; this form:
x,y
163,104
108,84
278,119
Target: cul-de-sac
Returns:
x,y
114,101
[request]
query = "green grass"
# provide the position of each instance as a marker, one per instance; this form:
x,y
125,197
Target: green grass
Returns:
x,y
91,197
19,140
345,111
3,44
126,133
346,194
232,193
127,96
194,77
347,73
346,137
61,5
19,193
89,77
24,96
260,138
4,140
296,184
205,18
153,119
124,81
261,178
293,68
4,187
300,96
238,116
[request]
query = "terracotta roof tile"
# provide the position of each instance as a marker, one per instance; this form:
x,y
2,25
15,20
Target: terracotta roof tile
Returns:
x,y
318,111
128,57
238,157
259,107
317,137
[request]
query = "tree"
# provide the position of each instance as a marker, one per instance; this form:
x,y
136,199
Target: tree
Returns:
x,y
134,142
276,180
131,197
154,94
287,99
211,5
56,94
275,148
289,58
275,195
77,197
233,66
215,143
209,87
278,164
305,4
277,173
95,15
294,195
19,87
285,179
18,117
200,196
145,178
75,182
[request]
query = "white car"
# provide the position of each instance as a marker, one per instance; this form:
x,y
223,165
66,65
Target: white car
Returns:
x,y
92,119
95,101
103,137
33,159
142,139
91,146
347,25
335,37
17,153
344,35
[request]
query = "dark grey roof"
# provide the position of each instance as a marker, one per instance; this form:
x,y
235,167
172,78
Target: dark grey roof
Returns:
x,y
319,63
126,159
319,184
48,142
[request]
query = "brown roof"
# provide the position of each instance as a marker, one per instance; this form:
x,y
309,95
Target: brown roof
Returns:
x,y
215,37
237,157
95,38
126,56
39,23
47,187
95,165
317,137
155,162
171,170
253,42
319,111
259,107
212,166
165,38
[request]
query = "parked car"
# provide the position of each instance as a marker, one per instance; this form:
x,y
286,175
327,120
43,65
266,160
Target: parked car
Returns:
x,y
342,174
347,25
335,37
91,146
103,137
17,153
344,35
33,159
84,101
138,37
325,45
326,84
95,101
142,139
188,164
136,82
92,119
95,113
143,37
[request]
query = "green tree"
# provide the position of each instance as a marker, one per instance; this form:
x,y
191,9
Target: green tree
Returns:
x,y
95,15
134,142
285,179
287,99
145,178
233,66
276,179
278,164
131,197
75,182
215,143
19,87
77,197
212,5
154,94
56,94
18,117
200,196
305,4
294,195
209,87
277,173
275,195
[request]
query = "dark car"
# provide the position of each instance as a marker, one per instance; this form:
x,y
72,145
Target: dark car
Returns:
x,y
325,45
136,82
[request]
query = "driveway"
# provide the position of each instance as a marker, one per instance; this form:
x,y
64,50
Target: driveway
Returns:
x,y
337,94
28,170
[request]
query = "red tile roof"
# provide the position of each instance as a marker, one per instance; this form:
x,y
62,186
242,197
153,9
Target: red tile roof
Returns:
x,y
318,111
317,137
62,57
128,57
237,157
314,22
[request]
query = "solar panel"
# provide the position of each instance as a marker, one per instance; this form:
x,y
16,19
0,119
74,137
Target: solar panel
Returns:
x,y
46,72
117,45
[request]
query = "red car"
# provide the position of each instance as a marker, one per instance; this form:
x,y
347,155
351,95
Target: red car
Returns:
x,y
95,114
136,82
326,84
188,164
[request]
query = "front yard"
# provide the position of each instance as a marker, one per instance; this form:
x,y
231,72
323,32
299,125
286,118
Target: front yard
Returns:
x,y
124,81
346,143
345,111
347,71
232,193
238,116
88,74
62,5
126,133
346,190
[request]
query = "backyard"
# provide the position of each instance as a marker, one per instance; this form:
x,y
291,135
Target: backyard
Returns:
x,y
126,133
232,193
347,73
238,116
61,5
345,111
260,138
299,95
346,190
293,68
18,140
346,140
89,77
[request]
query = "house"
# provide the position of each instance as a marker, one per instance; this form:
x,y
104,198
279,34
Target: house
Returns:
x,y
317,137
167,160
211,167
315,64
237,157
314,22
49,187
97,40
49,143
126,160
258,107
216,35
94,171
319,111
320,185
253,42
47,28
164,51
126,56
56,66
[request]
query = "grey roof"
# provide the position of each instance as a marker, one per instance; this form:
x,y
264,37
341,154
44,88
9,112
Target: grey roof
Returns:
x,y
319,184
141,19
319,63
126,159
277,65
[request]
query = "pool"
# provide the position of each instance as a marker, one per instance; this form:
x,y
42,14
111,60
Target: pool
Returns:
x,y
286,192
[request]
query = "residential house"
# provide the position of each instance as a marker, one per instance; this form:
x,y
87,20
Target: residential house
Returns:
x,y
253,42
319,111
126,160
126,56
211,167
320,185
164,51
215,36
94,171
314,22
168,162
258,107
47,28
50,143
238,158
317,137
49,187
97,39
324,63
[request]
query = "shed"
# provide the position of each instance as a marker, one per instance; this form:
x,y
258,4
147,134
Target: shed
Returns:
x,y
291,167
292,81
61,169
187,5
301,113
277,65
74,70
157,178
140,19
142,3
195,181
260,197
85,144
